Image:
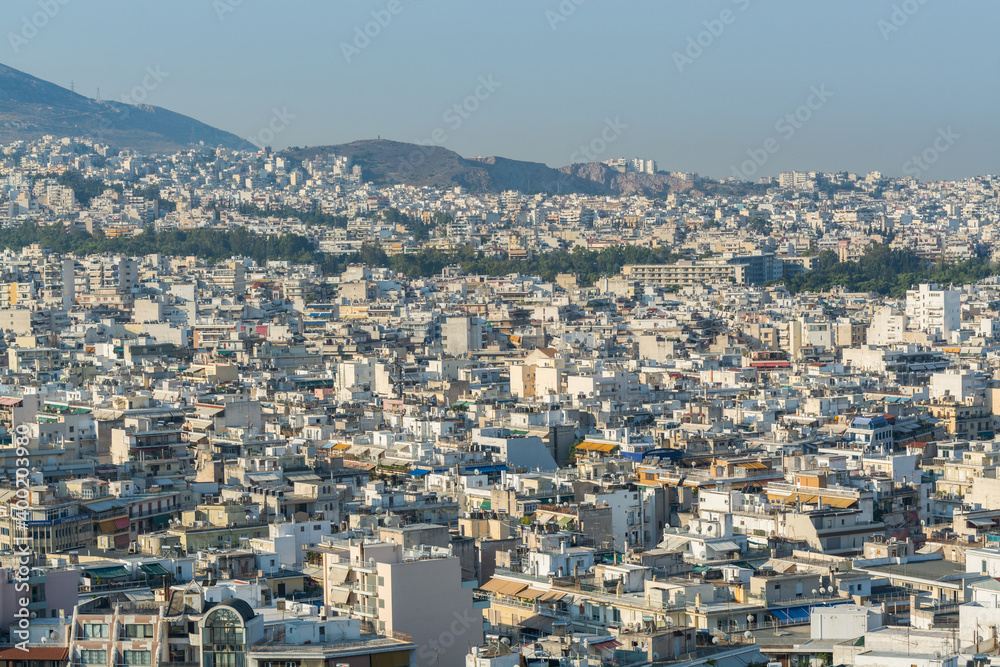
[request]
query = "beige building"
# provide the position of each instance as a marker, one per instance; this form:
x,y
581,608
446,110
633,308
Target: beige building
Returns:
x,y
392,590
541,373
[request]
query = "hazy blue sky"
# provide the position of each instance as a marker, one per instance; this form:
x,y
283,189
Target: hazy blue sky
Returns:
x,y
897,74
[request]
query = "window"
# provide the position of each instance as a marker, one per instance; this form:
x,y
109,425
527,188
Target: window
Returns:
x,y
139,631
223,627
137,657
95,631
94,657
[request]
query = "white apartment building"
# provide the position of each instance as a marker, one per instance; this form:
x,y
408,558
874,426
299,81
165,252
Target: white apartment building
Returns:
x,y
934,311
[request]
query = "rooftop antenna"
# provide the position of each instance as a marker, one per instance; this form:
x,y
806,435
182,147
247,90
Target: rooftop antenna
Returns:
x,y
98,93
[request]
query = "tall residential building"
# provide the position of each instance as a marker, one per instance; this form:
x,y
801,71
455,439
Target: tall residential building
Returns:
x,y
934,311
398,591
461,334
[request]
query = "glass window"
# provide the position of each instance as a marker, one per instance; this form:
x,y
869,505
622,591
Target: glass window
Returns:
x,y
137,657
95,630
94,657
139,631
223,627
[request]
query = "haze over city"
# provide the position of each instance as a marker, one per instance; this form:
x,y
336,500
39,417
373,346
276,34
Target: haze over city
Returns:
x,y
695,91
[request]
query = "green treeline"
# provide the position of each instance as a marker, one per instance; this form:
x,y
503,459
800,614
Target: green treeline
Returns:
x,y
882,270
888,271
209,244
311,217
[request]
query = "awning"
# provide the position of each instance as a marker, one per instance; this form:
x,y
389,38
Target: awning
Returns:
x,y
537,622
38,654
552,596
512,588
122,523
981,523
339,595
485,505
792,614
839,503
530,594
603,447
418,473
724,546
114,572
107,526
752,465
800,498
154,570
336,575
160,521
122,541
607,645
799,614
780,614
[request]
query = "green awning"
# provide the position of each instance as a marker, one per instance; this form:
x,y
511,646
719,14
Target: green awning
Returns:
x,y
565,521
485,505
154,570
115,572
160,521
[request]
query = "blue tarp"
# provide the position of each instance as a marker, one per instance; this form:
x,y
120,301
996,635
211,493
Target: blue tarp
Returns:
x,y
418,473
799,614
484,470
781,615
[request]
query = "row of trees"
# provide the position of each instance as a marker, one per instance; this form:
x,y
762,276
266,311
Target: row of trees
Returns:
x,y
312,217
209,244
882,269
888,271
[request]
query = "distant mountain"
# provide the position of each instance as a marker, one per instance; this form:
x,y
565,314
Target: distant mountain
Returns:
x,y
387,162
31,108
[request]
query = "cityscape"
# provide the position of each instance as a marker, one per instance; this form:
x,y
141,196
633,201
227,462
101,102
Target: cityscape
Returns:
x,y
380,402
